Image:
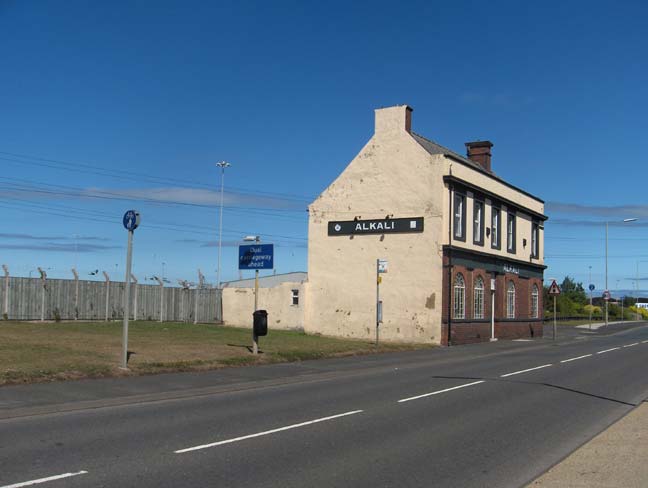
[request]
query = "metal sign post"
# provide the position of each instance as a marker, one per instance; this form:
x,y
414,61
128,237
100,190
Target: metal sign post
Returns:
x,y
492,287
591,289
381,267
554,290
256,256
131,222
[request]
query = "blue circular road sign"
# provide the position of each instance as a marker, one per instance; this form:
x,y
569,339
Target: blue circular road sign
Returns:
x,y
131,220
591,287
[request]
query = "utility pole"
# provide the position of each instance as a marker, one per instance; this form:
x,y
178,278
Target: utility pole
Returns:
x,y
161,283
43,276
199,287
590,290
222,165
6,291
76,293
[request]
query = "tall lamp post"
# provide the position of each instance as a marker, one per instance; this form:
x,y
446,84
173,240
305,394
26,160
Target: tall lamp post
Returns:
x,y
607,223
222,165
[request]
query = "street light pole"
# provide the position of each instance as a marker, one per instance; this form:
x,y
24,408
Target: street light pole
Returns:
x,y
222,165
606,264
590,290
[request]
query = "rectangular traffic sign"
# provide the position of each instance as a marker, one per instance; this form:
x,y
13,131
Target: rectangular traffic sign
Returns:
x,y
256,256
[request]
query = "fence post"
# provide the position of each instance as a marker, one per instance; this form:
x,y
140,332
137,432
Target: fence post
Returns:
x,y
6,292
107,292
199,287
43,275
159,280
183,309
134,296
76,293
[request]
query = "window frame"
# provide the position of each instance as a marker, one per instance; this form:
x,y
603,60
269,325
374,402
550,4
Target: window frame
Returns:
x,y
478,203
459,198
511,236
510,300
459,297
295,297
478,298
535,301
496,228
535,239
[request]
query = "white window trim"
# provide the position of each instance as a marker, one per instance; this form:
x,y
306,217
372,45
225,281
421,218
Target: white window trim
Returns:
x,y
478,299
510,300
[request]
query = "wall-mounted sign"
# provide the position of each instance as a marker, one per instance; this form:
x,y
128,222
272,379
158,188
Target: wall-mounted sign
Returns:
x,y
511,269
377,226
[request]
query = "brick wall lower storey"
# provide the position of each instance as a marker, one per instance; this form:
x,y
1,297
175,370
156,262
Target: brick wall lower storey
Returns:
x,y
470,329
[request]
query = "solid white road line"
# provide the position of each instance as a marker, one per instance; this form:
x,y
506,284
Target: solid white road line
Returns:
x,y
608,350
44,480
633,344
644,342
574,359
267,432
440,391
525,370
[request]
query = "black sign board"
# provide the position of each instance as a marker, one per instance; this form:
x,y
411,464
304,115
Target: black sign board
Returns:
x,y
376,226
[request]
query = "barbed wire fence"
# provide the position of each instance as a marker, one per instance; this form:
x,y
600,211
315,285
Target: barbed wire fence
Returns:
x,y
42,298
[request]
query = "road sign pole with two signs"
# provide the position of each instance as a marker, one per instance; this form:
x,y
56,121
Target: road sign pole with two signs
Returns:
x,y
554,290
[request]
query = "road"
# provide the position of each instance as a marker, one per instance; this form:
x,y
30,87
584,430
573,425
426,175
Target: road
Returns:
x,y
495,414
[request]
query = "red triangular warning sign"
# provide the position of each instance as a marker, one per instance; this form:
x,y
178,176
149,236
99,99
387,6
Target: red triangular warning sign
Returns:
x,y
554,289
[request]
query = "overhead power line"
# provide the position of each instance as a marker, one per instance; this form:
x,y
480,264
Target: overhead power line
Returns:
x,y
119,174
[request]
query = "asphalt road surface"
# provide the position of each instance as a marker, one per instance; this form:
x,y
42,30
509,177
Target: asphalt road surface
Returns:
x,y
486,415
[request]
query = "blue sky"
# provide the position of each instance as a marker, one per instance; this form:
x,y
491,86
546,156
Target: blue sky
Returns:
x,y
106,106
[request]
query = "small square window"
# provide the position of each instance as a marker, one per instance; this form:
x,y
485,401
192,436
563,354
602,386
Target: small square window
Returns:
x,y
295,297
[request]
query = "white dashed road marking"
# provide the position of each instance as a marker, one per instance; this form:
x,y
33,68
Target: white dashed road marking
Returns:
x,y
440,391
574,359
267,432
525,370
608,350
44,480
633,344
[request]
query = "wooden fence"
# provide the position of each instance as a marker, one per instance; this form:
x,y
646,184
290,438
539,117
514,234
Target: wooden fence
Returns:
x,y
55,299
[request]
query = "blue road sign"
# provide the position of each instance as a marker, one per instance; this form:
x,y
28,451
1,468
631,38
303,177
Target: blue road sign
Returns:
x,y
256,256
591,287
131,220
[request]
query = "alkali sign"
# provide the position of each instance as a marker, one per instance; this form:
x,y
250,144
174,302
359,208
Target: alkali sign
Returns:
x,y
377,226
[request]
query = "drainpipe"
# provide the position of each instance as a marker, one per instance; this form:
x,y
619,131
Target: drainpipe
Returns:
x,y
450,217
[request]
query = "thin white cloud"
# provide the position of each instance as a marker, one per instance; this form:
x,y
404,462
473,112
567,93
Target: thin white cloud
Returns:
x,y
178,195
619,211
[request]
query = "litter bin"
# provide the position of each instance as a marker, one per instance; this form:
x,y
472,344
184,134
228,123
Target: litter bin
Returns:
x,y
260,323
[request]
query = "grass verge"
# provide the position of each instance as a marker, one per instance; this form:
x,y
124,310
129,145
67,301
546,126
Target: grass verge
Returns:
x,y
35,352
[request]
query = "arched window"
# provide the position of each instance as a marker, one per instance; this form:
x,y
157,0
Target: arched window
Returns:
x,y
459,297
479,298
534,302
510,300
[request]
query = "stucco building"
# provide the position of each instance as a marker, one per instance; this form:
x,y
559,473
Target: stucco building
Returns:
x,y
464,247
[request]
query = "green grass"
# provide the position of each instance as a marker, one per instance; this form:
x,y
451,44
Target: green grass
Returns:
x,y
34,351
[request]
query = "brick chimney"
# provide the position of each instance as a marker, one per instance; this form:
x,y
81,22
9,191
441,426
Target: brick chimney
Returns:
x,y
480,152
393,119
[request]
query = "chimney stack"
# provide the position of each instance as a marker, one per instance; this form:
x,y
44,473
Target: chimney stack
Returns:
x,y
480,152
394,119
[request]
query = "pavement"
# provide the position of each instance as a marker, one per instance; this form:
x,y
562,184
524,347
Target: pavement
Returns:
x,y
615,458
493,414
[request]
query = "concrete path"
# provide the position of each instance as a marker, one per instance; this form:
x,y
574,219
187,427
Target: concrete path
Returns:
x,y
618,457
